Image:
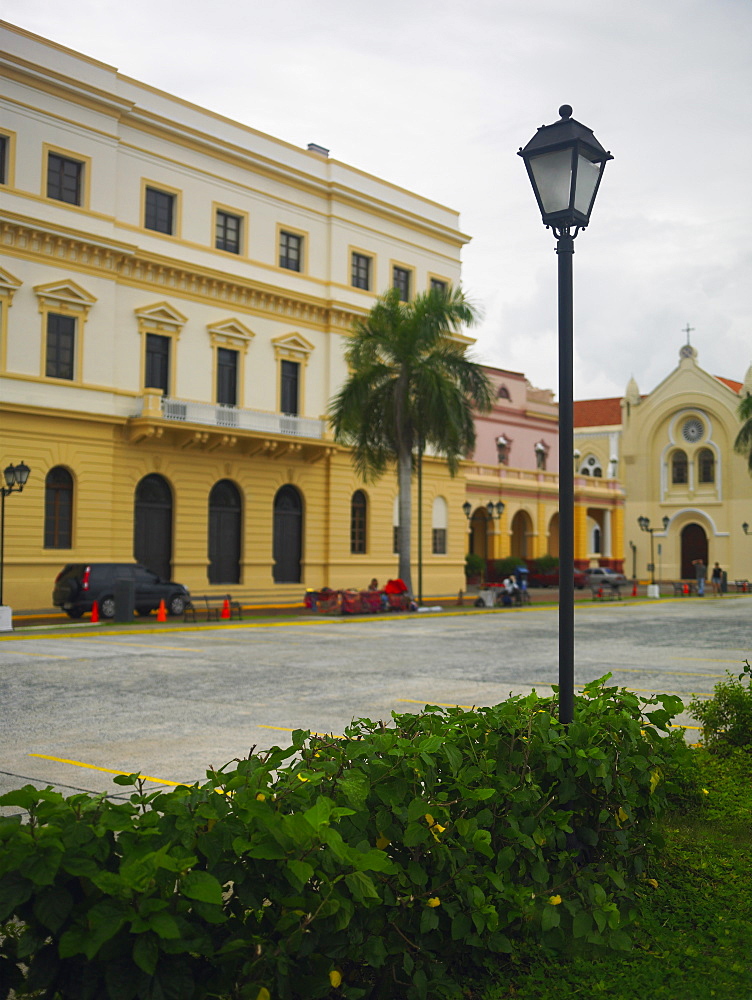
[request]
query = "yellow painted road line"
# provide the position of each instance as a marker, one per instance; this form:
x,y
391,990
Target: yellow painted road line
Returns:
x,y
672,673
285,729
107,770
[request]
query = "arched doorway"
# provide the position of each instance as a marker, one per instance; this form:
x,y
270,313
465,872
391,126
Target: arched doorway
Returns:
x,y
694,545
522,526
553,535
152,525
224,533
479,533
288,535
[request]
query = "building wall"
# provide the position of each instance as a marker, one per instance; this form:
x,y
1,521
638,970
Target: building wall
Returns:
x,y
96,262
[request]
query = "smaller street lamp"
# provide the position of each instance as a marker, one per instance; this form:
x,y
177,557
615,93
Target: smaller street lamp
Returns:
x,y
495,510
745,528
468,509
15,477
644,523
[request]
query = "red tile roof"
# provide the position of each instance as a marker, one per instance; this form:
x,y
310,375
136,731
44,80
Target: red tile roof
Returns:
x,y
736,386
597,412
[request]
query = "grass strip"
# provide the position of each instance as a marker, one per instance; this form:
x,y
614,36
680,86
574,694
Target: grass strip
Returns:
x,y
692,937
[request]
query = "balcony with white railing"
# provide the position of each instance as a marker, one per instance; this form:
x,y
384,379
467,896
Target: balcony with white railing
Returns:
x,y
153,406
237,419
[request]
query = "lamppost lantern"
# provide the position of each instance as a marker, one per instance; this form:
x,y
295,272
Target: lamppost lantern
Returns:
x,y
745,528
666,522
495,510
565,164
467,508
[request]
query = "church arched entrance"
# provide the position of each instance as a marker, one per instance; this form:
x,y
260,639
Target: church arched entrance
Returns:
x,y
694,545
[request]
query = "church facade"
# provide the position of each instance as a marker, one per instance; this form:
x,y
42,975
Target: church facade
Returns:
x,y
672,450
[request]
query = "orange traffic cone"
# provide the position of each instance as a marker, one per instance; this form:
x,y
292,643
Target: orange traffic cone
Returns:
x,y
162,612
94,613
226,609
634,589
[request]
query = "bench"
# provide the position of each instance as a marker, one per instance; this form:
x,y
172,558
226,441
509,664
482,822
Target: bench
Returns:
x,y
742,586
605,592
683,588
208,605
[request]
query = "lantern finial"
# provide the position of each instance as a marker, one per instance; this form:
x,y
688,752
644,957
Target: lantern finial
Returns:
x,y
565,111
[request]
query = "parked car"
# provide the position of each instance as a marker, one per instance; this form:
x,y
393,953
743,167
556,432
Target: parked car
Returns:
x,y
79,585
603,576
551,579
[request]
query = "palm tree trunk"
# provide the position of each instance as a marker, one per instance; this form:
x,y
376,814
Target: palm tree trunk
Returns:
x,y
404,480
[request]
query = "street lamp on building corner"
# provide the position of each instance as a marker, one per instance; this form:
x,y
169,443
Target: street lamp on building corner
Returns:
x,y
15,477
565,164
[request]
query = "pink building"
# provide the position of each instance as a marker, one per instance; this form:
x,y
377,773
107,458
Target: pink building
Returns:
x,y
522,429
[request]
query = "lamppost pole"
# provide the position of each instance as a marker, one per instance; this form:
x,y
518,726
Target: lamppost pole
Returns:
x,y
565,163
565,253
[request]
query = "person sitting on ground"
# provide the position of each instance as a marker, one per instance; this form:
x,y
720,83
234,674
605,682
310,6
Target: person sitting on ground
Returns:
x,y
374,584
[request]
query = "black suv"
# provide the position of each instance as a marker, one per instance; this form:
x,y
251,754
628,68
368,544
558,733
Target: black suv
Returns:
x,y
79,585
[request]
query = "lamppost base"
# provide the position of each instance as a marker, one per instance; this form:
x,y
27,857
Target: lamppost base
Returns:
x,y
6,618
654,590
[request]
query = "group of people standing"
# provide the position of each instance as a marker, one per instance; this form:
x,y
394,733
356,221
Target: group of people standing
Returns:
x,y
716,578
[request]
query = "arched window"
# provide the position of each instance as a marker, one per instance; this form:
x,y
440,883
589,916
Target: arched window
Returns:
x,y
224,533
679,468
706,466
358,510
591,467
439,527
58,509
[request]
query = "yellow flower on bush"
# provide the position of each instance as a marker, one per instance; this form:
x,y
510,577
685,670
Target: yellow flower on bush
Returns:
x,y
261,797
653,882
335,978
301,778
705,791
554,900
382,842
429,819
655,777
263,994
433,902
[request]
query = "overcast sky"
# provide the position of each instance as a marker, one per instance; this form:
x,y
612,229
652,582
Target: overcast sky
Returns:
x,y
438,96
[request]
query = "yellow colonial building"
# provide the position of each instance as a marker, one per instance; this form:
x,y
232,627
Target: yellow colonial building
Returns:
x,y
175,293
673,450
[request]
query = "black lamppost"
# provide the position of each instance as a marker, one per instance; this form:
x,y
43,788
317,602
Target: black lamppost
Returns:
x,y
565,163
644,523
15,479
745,528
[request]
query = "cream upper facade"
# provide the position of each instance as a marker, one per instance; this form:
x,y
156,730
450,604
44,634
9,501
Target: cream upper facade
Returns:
x,y
673,449
176,289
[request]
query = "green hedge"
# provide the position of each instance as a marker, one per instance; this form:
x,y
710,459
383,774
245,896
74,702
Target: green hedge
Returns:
x,y
392,861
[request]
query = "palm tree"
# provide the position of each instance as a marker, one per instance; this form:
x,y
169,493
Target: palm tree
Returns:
x,y
743,442
410,385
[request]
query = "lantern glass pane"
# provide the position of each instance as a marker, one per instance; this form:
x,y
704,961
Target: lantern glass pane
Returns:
x,y
587,179
553,179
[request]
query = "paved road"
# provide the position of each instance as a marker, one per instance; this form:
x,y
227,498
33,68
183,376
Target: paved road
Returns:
x,y
172,700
